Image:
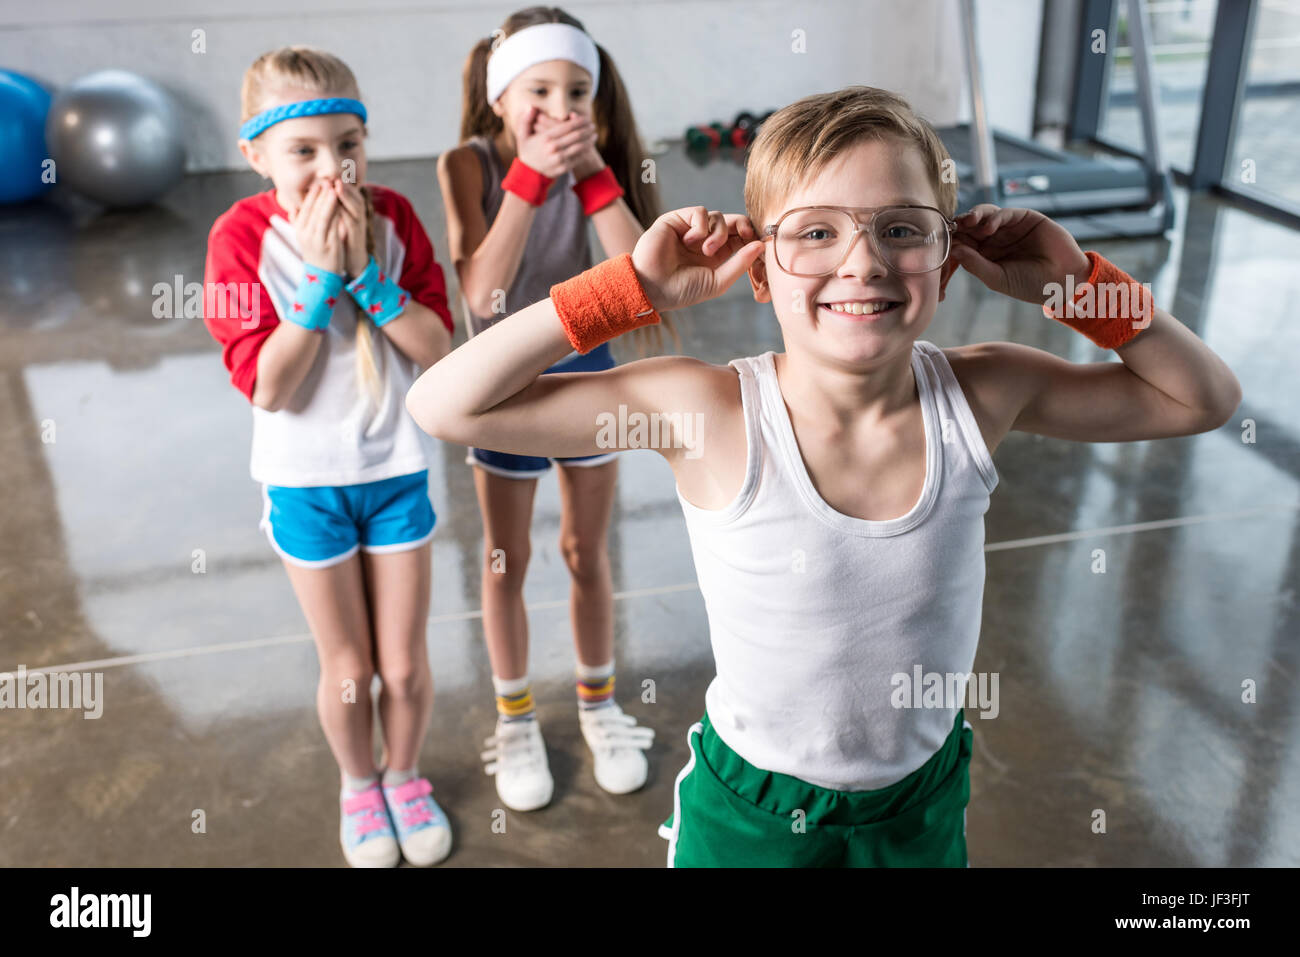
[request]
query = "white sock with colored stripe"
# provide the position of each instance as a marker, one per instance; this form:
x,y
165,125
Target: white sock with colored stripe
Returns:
x,y
514,698
595,685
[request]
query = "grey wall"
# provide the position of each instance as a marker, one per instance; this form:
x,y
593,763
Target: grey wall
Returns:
x,y
684,62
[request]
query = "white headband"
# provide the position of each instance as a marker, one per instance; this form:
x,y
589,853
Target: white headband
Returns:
x,y
537,44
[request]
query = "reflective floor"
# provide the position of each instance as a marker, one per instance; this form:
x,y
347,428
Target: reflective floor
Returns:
x,y
129,547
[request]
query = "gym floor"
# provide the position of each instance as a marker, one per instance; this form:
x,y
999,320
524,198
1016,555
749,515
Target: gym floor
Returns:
x,y
129,546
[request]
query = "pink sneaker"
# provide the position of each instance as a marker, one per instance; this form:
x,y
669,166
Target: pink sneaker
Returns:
x,y
422,827
365,829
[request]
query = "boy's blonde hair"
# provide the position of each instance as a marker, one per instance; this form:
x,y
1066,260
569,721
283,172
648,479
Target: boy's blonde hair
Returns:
x,y
314,71
797,142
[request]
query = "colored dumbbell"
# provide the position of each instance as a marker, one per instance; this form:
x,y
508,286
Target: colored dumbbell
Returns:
x,y
744,129
702,138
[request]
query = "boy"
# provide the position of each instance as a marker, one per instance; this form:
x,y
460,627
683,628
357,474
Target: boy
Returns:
x,y
834,493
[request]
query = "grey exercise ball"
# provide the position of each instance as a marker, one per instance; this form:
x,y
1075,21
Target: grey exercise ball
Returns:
x,y
116,137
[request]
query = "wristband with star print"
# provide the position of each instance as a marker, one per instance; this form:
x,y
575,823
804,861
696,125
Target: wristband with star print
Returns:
x,y
378,295
314,299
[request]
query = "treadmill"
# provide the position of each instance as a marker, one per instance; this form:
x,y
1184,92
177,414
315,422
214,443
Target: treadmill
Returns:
x,y
1094,197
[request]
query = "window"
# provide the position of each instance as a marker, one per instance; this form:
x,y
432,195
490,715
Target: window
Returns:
x,y
1181,31
1265,158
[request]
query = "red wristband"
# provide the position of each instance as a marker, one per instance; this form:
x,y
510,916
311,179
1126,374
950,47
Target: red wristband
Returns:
x,y
602,303
526,183
1110,307
598,190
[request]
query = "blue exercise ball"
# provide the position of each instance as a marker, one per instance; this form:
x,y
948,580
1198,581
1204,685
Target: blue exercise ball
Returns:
x,y
116,137
24,105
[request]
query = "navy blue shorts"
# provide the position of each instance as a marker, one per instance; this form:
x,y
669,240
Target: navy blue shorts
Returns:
x,y
530,466
323,525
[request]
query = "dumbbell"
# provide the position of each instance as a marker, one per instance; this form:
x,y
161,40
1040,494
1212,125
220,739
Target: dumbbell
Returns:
x,y
743,129
703,137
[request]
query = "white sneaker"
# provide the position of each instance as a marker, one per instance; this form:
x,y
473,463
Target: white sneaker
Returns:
x,y
617,745
518,759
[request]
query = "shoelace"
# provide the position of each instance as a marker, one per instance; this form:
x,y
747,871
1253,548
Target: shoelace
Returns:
x,y
413,803
364,812
516,743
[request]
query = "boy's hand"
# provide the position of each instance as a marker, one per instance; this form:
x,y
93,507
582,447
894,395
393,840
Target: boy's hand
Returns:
x,y
353,218
1017,251
693,254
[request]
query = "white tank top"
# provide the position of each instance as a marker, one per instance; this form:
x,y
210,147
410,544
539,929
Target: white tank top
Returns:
x,y
813,612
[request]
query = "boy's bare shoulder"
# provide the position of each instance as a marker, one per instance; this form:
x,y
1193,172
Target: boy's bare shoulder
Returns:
x,y
688,384
691,369
711,467
996,378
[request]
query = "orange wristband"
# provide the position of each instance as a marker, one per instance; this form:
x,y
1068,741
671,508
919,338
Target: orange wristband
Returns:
x,y
1110,307
602,303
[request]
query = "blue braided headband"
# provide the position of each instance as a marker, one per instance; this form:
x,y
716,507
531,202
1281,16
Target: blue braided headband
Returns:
x,y
288,111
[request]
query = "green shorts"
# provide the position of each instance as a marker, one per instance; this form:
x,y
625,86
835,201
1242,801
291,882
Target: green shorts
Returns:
x,y
728,813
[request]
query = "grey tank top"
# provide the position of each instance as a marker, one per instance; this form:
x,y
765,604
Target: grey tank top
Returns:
x,y
557,242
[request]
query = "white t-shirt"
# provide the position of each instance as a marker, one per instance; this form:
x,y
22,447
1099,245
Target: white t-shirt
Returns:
x,y
329,432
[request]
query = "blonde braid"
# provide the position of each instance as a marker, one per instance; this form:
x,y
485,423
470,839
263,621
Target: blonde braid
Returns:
x,y
367,371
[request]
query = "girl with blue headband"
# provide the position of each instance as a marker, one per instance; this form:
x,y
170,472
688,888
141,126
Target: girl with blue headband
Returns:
x,y
548,144
328,302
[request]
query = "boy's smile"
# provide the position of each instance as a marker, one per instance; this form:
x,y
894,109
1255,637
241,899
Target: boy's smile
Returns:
x,y
866,310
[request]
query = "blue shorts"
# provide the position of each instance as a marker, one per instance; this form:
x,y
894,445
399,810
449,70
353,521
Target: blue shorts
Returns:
x,y
323,525
530,466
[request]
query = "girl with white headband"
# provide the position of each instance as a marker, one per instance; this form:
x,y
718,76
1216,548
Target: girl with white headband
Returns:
x,y
327,299
548,142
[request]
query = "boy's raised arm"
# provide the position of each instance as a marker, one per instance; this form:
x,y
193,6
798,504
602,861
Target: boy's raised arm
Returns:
x,y
491,393
1169,383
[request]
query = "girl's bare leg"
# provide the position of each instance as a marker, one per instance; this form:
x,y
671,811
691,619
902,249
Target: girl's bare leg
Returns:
x,y
399,585
507,508
587,494
333,599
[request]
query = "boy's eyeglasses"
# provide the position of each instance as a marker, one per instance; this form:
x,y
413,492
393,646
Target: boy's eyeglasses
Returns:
x,y
812,241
